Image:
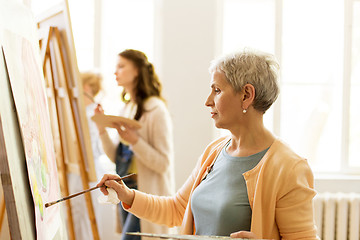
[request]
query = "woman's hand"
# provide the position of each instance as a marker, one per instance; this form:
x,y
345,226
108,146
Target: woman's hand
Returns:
x,y
127,133
243,234
125,194
99,109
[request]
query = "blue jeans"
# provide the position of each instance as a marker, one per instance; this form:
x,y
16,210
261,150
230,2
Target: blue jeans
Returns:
x,y
130,223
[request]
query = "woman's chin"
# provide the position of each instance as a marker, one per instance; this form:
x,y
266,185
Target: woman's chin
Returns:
x,y
218,125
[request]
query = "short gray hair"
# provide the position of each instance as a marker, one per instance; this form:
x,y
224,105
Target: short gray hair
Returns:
x,y
254,67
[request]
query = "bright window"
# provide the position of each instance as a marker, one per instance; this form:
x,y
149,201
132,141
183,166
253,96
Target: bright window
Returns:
x,y
125,24
102,29
318,111
82,17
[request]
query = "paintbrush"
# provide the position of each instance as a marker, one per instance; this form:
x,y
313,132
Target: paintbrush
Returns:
x,y
85,191
89,97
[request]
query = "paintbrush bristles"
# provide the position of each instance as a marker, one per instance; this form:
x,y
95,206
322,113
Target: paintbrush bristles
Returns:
x,y
52,203
85,191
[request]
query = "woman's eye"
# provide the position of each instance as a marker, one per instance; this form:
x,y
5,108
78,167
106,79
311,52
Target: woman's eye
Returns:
x,y
216,90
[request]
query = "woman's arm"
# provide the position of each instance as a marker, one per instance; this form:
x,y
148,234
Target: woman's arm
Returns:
x,y
157,152
294,211
108,145
157,209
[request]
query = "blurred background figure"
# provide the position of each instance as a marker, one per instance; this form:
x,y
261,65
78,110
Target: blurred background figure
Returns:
x,y
105,214
92,85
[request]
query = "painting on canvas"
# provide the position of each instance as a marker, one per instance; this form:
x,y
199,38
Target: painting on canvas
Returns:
x,y
27,83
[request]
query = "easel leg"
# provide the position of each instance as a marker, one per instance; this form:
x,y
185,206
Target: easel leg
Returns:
x,y
62,167
59,57
2,211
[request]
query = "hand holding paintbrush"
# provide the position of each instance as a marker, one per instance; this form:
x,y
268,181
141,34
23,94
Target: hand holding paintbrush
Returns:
x,y
97,111
125,194
99,108
102,185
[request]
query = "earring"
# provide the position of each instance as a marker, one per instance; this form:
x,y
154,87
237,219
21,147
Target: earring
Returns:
x,y
244,111
127,96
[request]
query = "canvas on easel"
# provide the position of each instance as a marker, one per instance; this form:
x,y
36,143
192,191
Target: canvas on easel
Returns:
x,y
67,75
26,83
14,178
70,128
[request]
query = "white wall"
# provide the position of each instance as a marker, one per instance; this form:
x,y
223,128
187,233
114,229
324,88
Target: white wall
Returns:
x,y
337,183
185,43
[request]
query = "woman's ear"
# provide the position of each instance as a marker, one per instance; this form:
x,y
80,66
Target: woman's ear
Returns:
x,y
248,95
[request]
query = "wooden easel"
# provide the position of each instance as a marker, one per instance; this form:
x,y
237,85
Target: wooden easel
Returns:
x,y
3,225
2,210
56,73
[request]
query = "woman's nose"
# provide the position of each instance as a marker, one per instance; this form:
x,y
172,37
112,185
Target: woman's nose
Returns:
x,y
209,101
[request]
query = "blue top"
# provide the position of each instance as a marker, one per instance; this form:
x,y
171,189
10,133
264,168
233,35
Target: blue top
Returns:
x,y
220,203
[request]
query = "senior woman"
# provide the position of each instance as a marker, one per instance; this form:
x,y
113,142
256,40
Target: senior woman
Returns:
x,y
249,184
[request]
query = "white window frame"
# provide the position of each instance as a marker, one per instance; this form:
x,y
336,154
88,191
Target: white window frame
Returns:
x,y
348,15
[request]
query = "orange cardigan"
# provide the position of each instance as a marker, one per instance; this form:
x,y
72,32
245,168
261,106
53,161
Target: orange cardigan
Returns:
x,y
280,190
